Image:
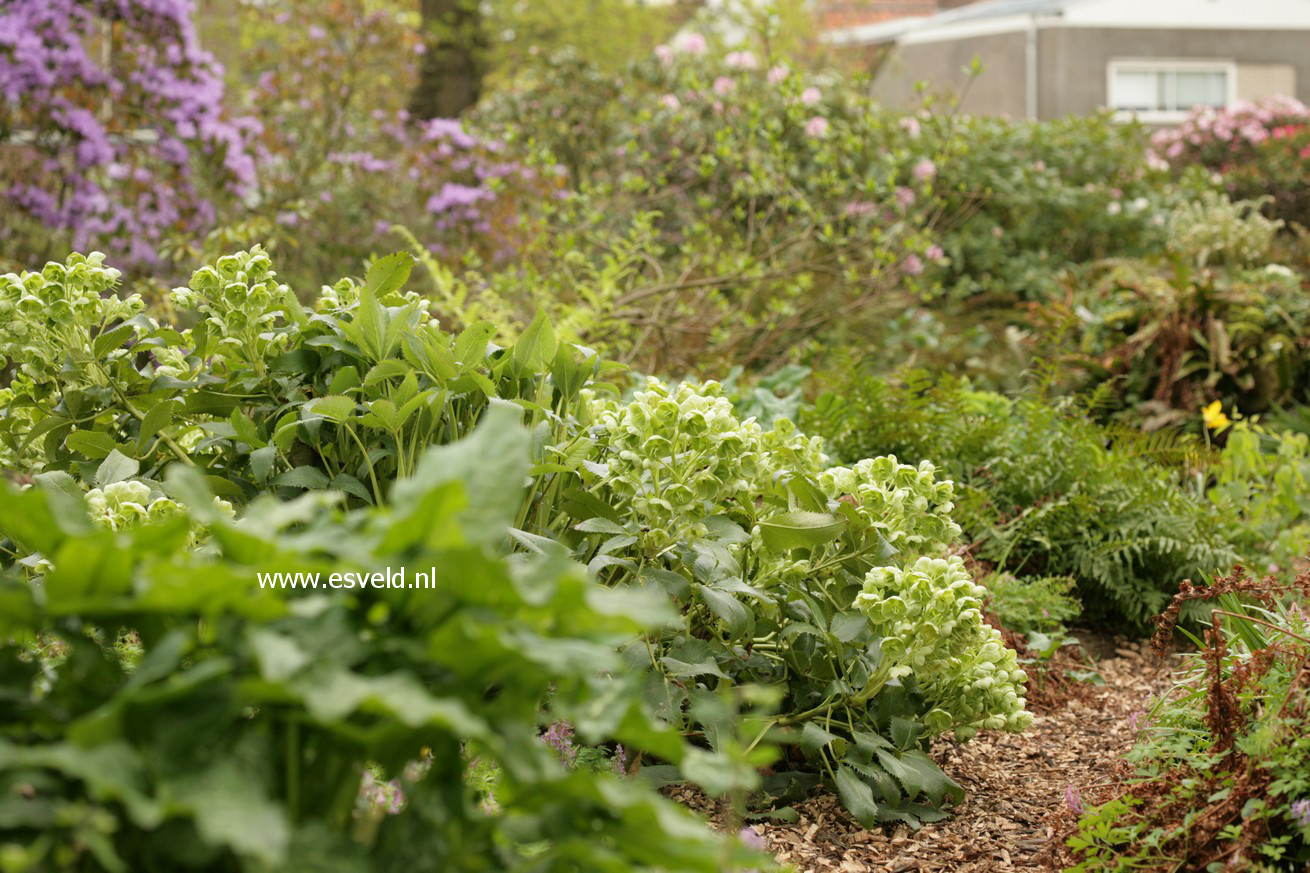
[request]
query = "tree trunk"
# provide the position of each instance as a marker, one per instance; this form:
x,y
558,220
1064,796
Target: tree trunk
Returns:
x,y
450,75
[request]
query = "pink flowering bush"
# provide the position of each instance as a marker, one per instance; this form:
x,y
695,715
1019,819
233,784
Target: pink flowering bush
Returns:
x,y
1258,149
112,128
745,210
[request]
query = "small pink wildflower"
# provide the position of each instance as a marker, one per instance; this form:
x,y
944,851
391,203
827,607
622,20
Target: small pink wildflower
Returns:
x,y
1073,799
913,266
934,253
810,96
671,101
924,170
777,74
816,126
691,44
742,60
911,125
665,54
905,197
723,86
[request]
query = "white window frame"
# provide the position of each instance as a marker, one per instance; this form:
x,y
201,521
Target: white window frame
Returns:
x,y
1158,65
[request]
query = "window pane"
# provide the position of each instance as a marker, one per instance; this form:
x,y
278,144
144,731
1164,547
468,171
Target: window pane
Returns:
x,y
1135,90
1201,88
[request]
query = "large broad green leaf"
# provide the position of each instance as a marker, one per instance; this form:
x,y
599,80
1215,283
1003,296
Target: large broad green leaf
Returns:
x,y
937,786
718,774
814,738
27,518
471,345
310,478
535,349
156,419
333,407
230,809
492,462
856,796
389,274
727,609
801,529
115,468
92,443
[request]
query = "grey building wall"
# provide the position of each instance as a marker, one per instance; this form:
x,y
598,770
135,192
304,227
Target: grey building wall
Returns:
x,y
999,90
1073,61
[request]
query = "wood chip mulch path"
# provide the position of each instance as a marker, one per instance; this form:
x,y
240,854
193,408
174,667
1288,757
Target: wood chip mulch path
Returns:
x,y
1016,785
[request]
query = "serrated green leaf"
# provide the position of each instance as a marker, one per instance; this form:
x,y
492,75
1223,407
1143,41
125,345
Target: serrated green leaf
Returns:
x,y
115,468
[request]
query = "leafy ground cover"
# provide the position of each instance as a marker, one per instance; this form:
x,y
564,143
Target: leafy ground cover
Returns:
x,y
759,444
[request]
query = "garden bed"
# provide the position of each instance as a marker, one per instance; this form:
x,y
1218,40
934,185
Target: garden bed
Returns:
x,y
1018,785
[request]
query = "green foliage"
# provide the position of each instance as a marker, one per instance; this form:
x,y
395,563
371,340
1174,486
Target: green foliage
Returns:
x,y
1214,319
237,740
1043,489
1262,482
1222,765
723,208
827,584
1012,192
826,587
1032,603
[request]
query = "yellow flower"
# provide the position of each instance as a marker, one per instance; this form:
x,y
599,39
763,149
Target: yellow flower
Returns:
x,y
1214,416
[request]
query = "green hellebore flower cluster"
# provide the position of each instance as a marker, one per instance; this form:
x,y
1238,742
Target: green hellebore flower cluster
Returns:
x,y
678,456
929,616
121,505
908,506
679,462
48,317
243,301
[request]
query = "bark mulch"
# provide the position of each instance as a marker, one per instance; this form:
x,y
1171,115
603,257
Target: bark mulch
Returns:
x,y
1016,783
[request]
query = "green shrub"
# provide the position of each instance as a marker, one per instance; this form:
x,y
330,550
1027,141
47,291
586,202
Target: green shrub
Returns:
x,y
1044,490
236,739
1262,482
1031,603
829,586
1212,319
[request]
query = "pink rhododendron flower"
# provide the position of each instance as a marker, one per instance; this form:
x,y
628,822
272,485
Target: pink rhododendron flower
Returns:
x,y
723,86
742,60
777,74
810,96
691,44
924,170
816,126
